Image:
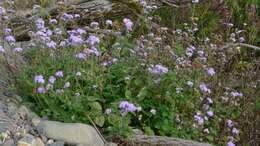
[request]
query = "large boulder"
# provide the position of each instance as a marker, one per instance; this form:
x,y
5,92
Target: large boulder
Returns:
x,y
71,133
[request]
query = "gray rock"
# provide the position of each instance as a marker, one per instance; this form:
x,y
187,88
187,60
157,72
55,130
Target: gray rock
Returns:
x,y
71,133
39,142
57,143
9,143
27,140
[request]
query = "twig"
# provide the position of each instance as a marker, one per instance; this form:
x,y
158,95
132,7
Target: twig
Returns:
x,y
170,4
241,44
99,133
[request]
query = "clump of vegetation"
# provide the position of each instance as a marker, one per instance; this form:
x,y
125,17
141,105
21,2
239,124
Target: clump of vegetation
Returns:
x,y
180,81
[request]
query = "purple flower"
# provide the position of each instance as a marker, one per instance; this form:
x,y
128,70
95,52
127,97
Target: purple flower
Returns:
x,y
59,74
204,89
77,15
190,83
7,31
18,50
2,11
235,131
198,118
51,45
109,22
126,107
82,56
211,71
81,31
128,23
108,111
39,24
158,69
49,32
52,79
195,1
236,94
230,123
66,85
66,16
190,51
41,90
94,25
230,143
10,39
53,21
206,130
2,50
92,40
210,113
242,39
39,79
76,40
58,31
179,90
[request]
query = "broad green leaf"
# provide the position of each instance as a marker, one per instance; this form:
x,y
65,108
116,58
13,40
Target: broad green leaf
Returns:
x,y
100,120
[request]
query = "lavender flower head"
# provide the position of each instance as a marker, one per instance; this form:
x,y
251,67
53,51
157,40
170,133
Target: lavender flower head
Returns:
x,y
190,83
40,24
39,79
2,11
211,71
94,25
109,22
41,90
53,21
128,23
230,123
51,45
2,50
204,89
10,39
108,111
76,40
126,107
92,40
66,85
81,56
198,118
210,113
52,79
235,131
230,143
195,1
18,50
59,74
158,69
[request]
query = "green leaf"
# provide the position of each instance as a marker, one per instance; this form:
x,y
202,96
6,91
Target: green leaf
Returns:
x,y
96,105
100,120
128,94
148,131
143,93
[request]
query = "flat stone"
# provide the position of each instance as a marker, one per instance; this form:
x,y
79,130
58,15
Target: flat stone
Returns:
x,y
39,142
70,133
27,140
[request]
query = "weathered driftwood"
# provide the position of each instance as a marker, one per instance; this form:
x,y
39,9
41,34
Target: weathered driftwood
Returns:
x,y
143,140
